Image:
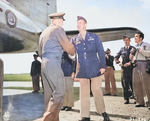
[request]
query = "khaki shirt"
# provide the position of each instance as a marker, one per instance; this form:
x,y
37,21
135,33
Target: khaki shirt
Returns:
x,y
143,52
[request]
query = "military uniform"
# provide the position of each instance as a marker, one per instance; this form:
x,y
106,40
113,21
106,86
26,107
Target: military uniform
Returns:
x,y
52,40
126,71
91,58
35,73
68,66
141,79
109,76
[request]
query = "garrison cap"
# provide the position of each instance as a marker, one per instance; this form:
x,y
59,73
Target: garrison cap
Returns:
x,y
81,18
126,36
57,15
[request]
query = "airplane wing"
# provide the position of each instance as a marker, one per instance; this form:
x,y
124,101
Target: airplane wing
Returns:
x,y
109,34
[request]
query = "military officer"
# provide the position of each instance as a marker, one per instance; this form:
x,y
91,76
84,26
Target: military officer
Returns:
x,y
52,40
141,79
35,73
90,66
127,68
68,67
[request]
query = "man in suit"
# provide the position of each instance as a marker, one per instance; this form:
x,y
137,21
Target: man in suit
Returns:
x,y
90,66
35,73
52,41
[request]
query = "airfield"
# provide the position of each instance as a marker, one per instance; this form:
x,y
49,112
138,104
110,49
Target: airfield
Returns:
x,y
23,105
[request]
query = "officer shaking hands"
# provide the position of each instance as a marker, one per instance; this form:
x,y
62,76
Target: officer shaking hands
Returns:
x,y
91,64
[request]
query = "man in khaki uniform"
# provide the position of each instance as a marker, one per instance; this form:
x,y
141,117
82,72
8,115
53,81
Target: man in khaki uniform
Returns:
x,y
141,79
52,41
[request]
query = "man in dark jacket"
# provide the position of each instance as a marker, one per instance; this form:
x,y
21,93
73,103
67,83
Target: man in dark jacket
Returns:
x,y
127,68
109,74
68,66
35,72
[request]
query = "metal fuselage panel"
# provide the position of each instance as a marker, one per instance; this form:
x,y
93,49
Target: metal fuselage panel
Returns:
x,y
21,22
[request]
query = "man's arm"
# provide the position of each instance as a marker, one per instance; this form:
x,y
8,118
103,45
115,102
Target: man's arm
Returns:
x,y
118,56
101,52
64,42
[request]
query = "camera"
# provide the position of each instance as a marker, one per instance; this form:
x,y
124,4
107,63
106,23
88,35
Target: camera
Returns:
x,y
134,64
106,52
133,51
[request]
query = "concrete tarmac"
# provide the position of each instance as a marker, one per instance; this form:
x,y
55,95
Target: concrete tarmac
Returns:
x,y
27,106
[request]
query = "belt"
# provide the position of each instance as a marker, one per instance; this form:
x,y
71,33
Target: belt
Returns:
x,y
141,60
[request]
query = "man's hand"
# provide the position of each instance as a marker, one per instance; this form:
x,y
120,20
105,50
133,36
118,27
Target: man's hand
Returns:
x,y
73,75
102,70
127,64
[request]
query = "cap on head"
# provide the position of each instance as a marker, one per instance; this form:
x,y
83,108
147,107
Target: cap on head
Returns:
x,y
35,55
81,18
126,36
108,49
57,16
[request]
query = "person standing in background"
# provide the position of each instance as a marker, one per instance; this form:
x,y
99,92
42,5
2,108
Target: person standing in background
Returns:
x,y
68,66
127,68
35,73
109,74
141,79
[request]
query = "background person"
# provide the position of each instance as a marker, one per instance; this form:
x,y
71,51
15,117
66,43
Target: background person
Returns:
x,y
109,74
90,66
68,66
127,68
141,79
52,41
35,73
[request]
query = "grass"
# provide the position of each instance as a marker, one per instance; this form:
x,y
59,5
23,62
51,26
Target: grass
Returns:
x,y
27,77
17,77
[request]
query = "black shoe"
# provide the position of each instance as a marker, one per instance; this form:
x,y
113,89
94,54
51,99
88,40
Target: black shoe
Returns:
x,y
35,91
107,94
148,107
85,119
106,118
140,106
114,94
63,108
68,109
127,102
134,102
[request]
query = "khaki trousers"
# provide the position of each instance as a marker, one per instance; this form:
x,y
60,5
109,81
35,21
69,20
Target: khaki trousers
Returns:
x,y
54,88
85,96
141,84
110,78
69,99
35,83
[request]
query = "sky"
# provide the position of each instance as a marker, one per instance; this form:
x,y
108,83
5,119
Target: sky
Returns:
x,y
99,14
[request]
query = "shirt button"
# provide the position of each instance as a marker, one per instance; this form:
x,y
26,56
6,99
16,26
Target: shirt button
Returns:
x,y
84,48
83,43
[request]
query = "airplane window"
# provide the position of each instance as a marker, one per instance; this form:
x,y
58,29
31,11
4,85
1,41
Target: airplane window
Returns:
x,y
1,10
